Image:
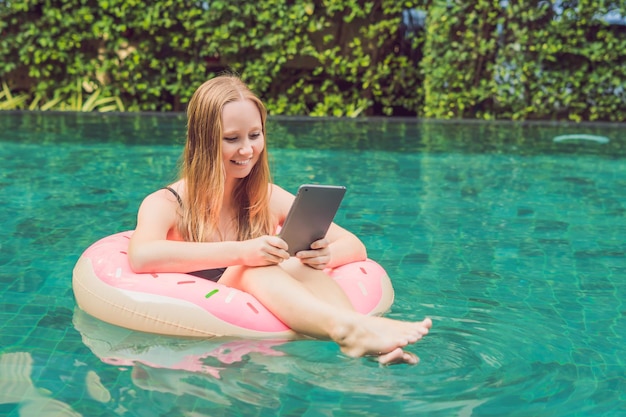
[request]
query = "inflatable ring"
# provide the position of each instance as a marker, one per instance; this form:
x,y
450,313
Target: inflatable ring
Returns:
x,y
184,305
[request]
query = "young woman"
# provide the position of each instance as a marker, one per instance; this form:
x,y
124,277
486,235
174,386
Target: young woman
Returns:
x,y
219,221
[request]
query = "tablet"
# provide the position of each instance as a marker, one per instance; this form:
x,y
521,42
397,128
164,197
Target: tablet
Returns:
x,y
310,215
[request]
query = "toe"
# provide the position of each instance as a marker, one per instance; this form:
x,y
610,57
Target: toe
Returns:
x,y
398,356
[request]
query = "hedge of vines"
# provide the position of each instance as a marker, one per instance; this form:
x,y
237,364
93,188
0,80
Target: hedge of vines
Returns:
x,y
486,59
526,59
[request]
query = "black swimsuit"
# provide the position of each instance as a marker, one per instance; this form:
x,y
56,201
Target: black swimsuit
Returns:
x,y
210,274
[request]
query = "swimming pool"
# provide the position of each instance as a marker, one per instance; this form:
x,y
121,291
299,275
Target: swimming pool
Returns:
x,y
514,243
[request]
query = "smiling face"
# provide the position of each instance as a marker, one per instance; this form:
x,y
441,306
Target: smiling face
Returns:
x,y
242,139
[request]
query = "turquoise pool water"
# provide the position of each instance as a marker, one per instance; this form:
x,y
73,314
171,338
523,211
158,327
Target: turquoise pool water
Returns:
x,y
513,243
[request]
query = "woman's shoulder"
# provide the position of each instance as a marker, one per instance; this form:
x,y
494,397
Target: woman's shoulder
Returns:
x,y
168,199
172,193
158,213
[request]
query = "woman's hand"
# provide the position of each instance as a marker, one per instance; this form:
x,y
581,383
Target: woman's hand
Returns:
x,y
264,250
318,256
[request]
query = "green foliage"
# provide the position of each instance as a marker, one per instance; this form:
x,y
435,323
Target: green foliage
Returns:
x,y
305,57
76,100
8,101
317,57
460,51
571,63
484,59
525,60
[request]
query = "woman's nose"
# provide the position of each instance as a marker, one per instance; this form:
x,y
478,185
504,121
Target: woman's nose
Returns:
x,y
246,148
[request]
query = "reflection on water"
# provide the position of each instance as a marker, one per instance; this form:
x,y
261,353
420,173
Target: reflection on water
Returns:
x,y
17,387
227,371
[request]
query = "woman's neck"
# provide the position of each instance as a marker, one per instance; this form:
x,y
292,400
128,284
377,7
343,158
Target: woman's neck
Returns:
x,y
229,192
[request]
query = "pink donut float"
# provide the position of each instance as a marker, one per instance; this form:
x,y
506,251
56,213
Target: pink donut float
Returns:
x,y
185,305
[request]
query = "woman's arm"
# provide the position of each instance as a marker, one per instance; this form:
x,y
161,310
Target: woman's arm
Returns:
x,y
152,248
344,247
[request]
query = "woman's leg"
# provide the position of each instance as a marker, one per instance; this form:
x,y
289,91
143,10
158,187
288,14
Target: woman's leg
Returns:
x,y
305,312
318,282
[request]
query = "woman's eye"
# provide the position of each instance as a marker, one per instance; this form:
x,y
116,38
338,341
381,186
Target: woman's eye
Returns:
x,y
255,135
231,139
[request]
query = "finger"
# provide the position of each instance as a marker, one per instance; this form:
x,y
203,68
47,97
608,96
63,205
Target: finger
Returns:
x,y
274,244
317,262
277,242
398,356
319,244
275,255
310,254
271,259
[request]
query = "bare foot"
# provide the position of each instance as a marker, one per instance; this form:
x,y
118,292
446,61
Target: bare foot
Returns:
x,y
364,335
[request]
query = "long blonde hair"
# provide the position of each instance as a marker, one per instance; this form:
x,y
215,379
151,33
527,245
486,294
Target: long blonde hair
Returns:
x,y
203,170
